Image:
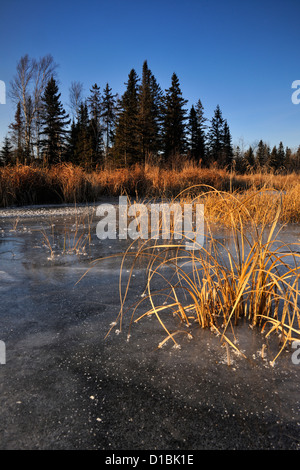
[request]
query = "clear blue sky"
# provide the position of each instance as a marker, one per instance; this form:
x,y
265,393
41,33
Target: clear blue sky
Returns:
x,y
242,55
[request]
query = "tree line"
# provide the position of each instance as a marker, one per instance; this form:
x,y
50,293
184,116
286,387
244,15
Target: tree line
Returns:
x,y
145,124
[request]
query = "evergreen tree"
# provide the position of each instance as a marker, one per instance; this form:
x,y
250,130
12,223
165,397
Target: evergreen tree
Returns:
x,y
277,158
108,116
288,157
201,120
149,113
174,116
196,133
262,154
250,158
17,135
193,131
94,104
71,144
6,154
55,120
281,156
239,160
273,160
216,136
227,146
157,114
126,146
85,152
297,163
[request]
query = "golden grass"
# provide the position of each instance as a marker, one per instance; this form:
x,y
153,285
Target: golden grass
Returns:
x,y
218,286
66,183
215,286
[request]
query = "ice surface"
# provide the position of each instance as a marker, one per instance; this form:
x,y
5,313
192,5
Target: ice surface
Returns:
x,y
57,356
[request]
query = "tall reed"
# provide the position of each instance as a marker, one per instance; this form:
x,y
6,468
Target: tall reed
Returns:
x,y
217,286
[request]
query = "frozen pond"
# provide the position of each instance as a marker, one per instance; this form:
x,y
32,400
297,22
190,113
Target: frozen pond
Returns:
x,y
64,386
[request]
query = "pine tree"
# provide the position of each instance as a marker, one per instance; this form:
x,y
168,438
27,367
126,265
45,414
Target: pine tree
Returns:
x,y
273,160
174,116
71,144
262,154
85,153
55,120
126,146
149,101
94,104
281,156
6,153
288,157
298,159
108,117
17,135
193,133
202,131
239,161
216,136
196,133
227,146
250,158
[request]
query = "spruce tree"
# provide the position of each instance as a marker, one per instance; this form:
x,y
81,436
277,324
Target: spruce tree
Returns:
x,y
174,116
108,117
149,102
85,153
281,156
196,133
239,161
288,157
54,122
6,154
201,119
250,158
17,135
193,132
94,104
262,154
273,160
227,146
71,144
216,136
126,146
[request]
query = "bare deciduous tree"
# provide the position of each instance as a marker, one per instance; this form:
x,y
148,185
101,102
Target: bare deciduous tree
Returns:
x,y
75,98
27,88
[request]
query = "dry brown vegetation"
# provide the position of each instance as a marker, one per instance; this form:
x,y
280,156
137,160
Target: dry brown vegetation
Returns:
x,y
256,280
66,183
217,286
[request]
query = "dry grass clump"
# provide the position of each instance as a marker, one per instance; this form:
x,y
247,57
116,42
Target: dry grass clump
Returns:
x,y
66,183
72,183
21,184
261,207
217,286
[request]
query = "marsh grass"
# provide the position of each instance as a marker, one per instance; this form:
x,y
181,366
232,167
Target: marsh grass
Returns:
x,y
67,183
70,239
217,286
